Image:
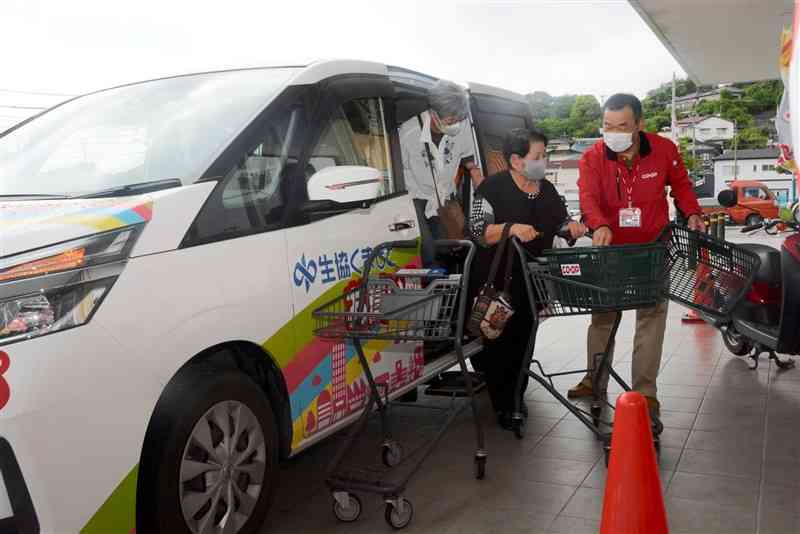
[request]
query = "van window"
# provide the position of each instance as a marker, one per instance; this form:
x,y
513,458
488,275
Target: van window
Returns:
x,y
756,193
251,197
355,135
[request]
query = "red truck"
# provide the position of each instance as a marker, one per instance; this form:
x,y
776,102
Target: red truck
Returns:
x,y
755,202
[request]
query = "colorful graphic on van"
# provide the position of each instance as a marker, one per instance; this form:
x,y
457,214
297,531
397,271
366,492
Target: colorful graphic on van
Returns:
x,y
98,214
334,267
324,380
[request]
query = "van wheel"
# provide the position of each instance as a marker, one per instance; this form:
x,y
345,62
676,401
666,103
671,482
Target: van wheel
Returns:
x,y
736,343
753,219
210,461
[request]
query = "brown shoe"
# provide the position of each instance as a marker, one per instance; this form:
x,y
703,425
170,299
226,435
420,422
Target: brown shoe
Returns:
x,y
654,407
580,391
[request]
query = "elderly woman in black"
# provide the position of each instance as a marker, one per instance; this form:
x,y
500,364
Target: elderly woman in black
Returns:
x,y
522,198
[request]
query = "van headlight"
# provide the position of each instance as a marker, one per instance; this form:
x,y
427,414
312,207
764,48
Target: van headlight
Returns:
x,y
61,286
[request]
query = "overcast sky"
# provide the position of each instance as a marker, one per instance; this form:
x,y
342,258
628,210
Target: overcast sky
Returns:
x,y
567,46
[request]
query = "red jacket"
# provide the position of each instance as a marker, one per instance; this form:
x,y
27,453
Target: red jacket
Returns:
x,y
604,184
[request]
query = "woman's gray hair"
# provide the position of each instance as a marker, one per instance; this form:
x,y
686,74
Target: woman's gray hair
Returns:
x,y
448,99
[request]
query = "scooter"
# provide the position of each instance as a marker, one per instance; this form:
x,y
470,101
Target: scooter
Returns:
x,y
767,319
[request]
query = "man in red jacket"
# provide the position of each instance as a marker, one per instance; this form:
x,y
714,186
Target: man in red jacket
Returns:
x,y
623,181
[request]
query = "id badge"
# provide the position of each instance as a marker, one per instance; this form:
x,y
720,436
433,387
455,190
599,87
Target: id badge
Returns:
x,y
630,217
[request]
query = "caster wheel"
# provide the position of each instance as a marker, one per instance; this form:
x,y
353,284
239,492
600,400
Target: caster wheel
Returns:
x,y
349,513
784,364
658,427
392,453
399,519
480,467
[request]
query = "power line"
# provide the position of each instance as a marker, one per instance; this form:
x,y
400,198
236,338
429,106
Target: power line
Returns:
x,y
37,93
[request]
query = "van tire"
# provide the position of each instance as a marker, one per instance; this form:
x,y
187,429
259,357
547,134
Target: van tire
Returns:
x,y
190,405
753,219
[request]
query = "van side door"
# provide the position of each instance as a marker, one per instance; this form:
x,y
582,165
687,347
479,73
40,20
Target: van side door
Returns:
x,y
327,250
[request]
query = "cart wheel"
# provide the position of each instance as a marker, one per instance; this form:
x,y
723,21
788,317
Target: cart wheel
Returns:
x,y
391,453
396,519
658,427
349,513
480,467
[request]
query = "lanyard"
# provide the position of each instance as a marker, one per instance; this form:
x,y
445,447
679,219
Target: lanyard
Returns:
x,y
633,173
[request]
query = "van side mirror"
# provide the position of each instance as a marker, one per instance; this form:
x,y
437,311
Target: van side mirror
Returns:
x,y
727,198
345,184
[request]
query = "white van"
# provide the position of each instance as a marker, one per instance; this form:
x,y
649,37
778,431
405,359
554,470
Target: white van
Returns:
x,y
162,247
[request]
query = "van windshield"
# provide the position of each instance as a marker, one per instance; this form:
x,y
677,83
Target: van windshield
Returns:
x,y
163,130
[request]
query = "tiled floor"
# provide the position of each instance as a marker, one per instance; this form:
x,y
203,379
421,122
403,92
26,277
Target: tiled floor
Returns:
x,y
730,460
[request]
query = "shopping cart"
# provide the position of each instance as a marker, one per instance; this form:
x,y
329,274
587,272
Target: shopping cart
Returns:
x,y
580,281
398,309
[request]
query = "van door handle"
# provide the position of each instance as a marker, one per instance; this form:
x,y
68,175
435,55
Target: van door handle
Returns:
x,y
401,225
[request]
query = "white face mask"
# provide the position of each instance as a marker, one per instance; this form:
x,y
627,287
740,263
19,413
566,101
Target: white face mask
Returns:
x,y
451,130
534,169
618,141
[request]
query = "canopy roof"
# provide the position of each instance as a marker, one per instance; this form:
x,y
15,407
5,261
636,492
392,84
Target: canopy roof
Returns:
x,y
720,41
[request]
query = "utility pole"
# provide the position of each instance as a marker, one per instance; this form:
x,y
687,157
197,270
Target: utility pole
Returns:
x,y
673,115
735,146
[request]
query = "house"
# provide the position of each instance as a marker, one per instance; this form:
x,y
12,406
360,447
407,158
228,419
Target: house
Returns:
x,y
561,149
703,175
688,102
582,144
564,175
705,129
757,164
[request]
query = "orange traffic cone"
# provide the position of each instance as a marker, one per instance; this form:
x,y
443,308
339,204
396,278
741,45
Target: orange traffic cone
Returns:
x,y
633,503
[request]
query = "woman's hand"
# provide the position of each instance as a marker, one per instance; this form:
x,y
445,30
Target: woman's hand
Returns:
x,y
576,229
524,232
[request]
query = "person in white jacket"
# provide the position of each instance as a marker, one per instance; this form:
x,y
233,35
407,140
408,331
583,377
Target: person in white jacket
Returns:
x,y
435,144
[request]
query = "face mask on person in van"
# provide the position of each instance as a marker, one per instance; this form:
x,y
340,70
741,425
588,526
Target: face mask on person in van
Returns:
x,y
618,141
534,169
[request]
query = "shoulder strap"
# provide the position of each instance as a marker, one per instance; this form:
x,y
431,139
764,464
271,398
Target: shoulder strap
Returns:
x,y
498,254
509,264
430,164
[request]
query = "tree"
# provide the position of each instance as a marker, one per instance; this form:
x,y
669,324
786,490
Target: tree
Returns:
x,y
658,120
562,106
751,138
585,116
541,105
689,161
554,127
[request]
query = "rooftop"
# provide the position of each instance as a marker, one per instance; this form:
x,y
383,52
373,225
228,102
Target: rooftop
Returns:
x,y
758,153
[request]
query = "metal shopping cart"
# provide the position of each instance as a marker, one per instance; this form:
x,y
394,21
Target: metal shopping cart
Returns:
x,y
580,281
399,309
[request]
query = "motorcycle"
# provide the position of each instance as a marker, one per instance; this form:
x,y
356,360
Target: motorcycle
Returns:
x,y
767,319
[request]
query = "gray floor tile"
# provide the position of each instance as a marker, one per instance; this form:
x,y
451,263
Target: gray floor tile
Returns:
x,y
689,392
701,517
587,503
782,471
775,498
683,379
734,406
716,422
548,470
720,490
570,427
725,463
725,440
674,437
574,525
546,409
568,449
679,404
778,522
682,420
